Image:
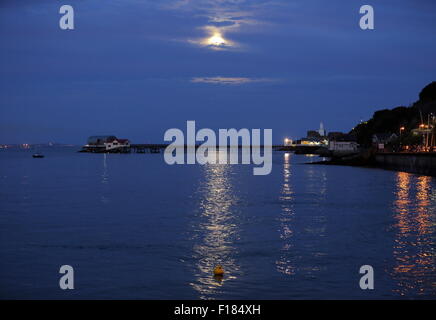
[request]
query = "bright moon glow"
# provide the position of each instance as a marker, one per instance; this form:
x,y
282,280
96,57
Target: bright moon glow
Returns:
x,y
216,40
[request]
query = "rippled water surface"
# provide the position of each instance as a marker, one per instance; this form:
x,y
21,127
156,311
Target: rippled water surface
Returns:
x,y
135,227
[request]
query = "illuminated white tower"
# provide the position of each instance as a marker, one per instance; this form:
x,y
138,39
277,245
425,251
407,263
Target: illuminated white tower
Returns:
x,y
321,130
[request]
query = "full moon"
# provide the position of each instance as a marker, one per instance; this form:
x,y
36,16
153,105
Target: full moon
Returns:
x,y
216,40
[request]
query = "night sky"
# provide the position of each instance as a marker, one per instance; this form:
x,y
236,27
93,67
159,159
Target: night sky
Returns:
x,y
136,68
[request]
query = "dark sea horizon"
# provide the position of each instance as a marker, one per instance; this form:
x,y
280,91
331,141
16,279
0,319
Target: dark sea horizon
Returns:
x,y
133,227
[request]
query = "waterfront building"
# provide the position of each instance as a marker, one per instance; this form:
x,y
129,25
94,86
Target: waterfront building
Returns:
x,y
384,138
115,143
99,140
343,146
310,141
106,144
380,140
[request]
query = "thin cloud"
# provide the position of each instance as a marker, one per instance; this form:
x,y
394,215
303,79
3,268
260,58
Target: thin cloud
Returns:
x,y
231,80
224,18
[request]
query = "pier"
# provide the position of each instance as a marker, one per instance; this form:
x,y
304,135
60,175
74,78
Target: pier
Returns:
x,y
147,148
156,148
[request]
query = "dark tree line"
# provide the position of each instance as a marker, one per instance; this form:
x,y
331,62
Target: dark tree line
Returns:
x,y
391,120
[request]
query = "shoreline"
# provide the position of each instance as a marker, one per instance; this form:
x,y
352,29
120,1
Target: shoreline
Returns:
x,y
416,163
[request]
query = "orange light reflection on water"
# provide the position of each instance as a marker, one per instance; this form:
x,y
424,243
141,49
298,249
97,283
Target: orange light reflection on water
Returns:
x,y
414,211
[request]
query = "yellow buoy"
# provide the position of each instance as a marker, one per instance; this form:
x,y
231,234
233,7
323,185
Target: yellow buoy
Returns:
x,y
218,271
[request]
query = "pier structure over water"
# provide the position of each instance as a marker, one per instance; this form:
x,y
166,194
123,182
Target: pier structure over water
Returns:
x,y
147,148
112,144
156,148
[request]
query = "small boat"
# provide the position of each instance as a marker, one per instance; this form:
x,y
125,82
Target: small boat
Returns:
x,y
38,155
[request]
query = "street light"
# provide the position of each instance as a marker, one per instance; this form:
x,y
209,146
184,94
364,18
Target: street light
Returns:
x,y
401,142
287,141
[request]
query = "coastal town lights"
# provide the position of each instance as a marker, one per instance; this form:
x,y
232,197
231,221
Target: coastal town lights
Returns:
x,y
287,142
